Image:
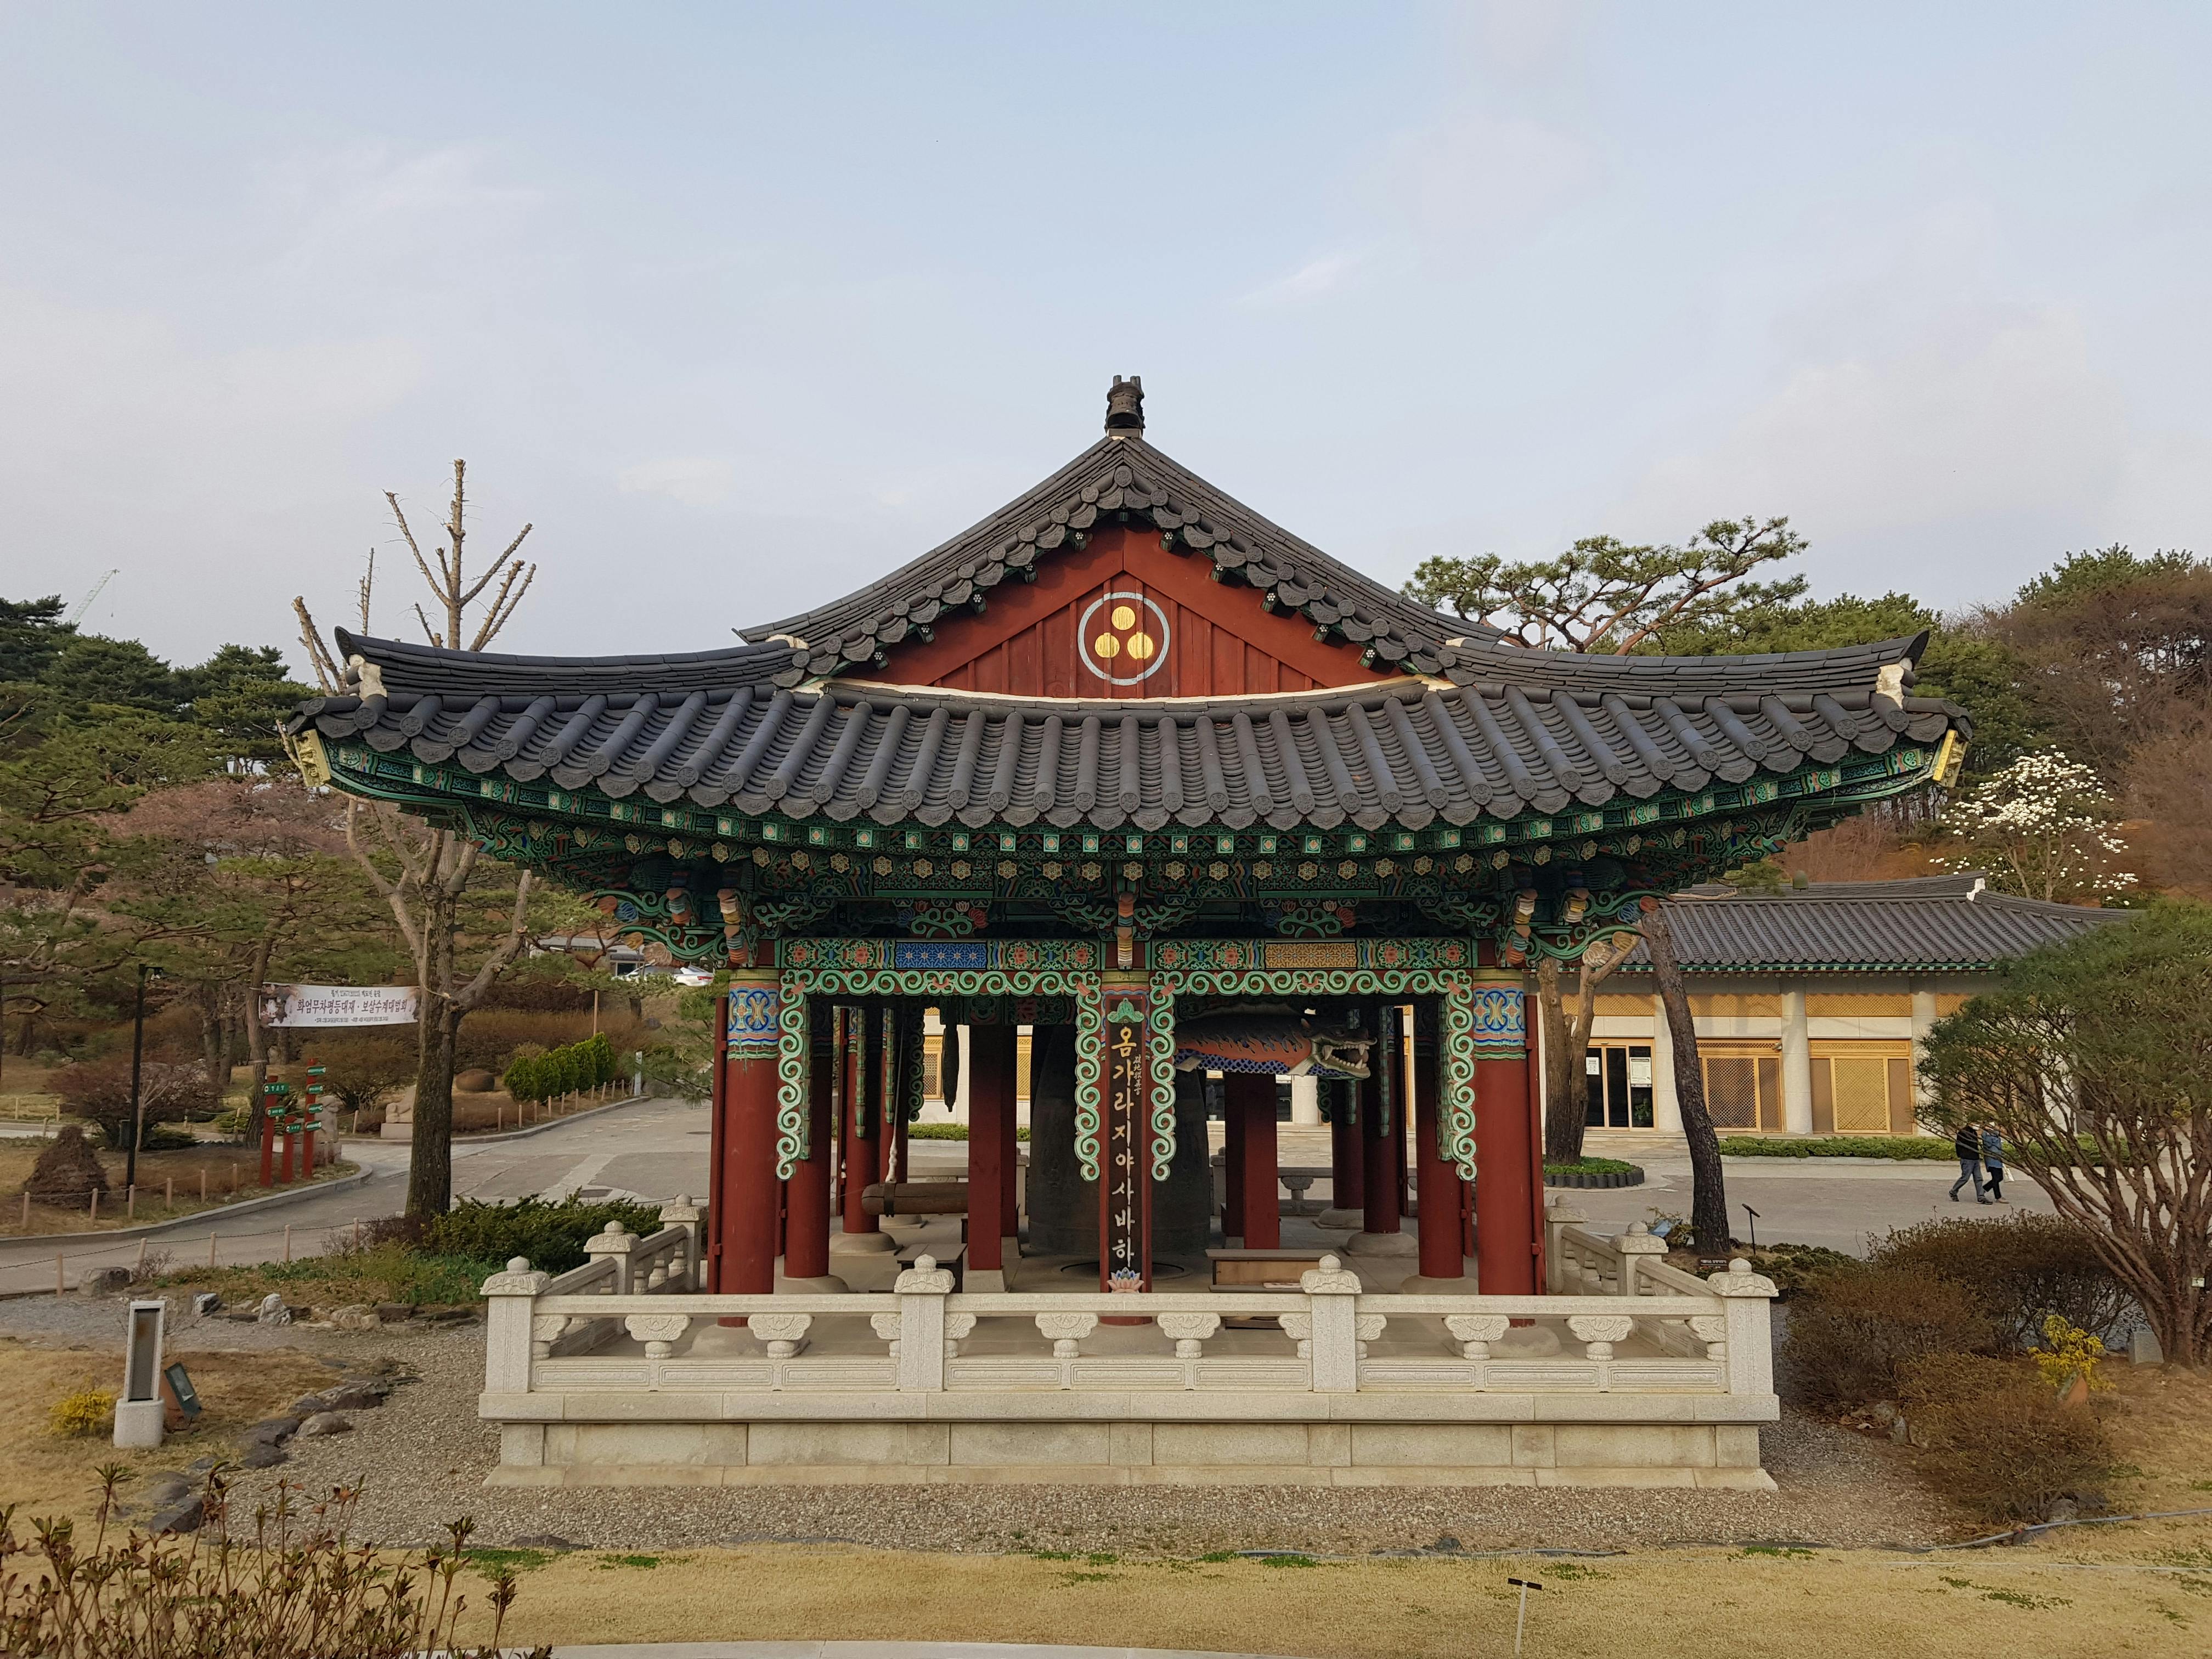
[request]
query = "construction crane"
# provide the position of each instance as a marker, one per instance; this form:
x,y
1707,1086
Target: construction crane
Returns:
x,y
85,604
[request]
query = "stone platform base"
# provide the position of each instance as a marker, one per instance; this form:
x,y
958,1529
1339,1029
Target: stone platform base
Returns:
x,y
1122,1453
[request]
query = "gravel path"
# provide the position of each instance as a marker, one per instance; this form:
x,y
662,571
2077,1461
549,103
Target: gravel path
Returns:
x,y
421,1459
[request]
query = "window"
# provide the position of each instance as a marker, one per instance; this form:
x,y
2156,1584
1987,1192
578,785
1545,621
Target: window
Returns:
x,y
1862,1088
1618,1078
1743,1087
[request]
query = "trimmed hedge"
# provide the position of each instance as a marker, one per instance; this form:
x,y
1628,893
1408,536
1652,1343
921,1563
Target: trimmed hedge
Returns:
x,y
562,1071
1593,1172
1903,1149
950,1132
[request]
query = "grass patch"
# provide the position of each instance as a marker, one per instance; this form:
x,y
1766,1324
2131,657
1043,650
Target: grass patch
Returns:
x,y
1661,1604
51,1474
607,1562
2010,1598
1904,1149
1778,1551
490,1560
1289,1561
384,1272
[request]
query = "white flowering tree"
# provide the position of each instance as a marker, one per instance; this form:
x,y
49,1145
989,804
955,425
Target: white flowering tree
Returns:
x,y
2043,828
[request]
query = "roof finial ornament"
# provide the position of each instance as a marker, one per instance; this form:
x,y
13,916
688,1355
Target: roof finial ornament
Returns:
x,y
1125,407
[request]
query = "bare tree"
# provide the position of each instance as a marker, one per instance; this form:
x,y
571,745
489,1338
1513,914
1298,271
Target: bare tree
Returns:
x,y
1566,1040
435,882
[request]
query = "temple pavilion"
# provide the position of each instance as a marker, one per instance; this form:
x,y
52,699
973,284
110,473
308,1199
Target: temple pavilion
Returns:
x,y
1130,766
1122,752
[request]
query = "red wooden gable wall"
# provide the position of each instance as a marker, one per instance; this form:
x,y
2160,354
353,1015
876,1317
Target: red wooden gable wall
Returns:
x,y
1151,625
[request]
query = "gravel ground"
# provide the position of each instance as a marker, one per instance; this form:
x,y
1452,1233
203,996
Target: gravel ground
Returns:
x,y
421,1460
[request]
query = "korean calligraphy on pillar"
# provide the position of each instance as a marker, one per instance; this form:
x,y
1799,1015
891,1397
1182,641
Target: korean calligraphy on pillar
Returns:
x,y
1124,1187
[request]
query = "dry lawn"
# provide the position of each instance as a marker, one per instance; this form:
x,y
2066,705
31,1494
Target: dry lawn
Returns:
x,y
232,1173
46,1473
1669,1605
2136,1587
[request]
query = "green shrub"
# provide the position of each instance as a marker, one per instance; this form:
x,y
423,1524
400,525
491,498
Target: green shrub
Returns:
x,y
1852,1332
1902,1149
550,1235
521,1079
951,1132
1796,1268
2017,1271
2000,1441
1587,1166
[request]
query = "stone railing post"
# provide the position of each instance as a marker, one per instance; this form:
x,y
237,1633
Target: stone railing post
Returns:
x,y
685,1214
512,1296
1634,1244
1333,1326
616,1245
1560,1277
922,1290
1747,1307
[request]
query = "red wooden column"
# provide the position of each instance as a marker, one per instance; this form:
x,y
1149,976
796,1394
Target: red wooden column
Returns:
x,y
1347,1158
718,1142
882,1062
1252,1105
806,1194
1382,1230
1232,1165
990,1148
1507,1208
1010,1214
747,1207
1439,1182
862,1127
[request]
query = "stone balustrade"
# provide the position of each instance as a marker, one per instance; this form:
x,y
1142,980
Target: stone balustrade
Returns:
x,y
1705,1336
1628,1370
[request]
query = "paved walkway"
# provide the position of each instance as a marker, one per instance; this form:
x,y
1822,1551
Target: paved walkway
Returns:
x,y
658,1148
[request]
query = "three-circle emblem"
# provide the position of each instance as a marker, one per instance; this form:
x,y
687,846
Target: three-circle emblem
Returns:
x,y
1122,638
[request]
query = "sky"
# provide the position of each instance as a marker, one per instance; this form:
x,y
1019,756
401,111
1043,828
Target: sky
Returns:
x,y
741,306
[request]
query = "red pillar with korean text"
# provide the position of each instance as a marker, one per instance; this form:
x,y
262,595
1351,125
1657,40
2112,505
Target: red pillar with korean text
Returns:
x,y
1125,1138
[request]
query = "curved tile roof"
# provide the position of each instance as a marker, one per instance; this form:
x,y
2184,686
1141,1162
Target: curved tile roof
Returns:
x,y
1950,921
1123,476
716,728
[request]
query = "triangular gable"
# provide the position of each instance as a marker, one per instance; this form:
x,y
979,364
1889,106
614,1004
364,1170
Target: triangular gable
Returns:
x,y
1363,629
1120,617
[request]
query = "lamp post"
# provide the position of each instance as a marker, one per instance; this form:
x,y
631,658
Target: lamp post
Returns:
x,y
137,1102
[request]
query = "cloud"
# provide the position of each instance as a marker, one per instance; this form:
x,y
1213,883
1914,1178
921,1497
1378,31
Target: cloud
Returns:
x,y
212,479
1308,282
691,481
1478,176
1995,410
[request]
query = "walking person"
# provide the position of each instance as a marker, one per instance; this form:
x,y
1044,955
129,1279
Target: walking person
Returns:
x,y
1967,1143
1993,1164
